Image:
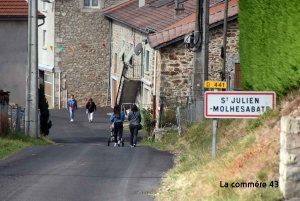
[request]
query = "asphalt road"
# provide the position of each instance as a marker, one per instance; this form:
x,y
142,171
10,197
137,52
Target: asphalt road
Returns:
x,y
81,166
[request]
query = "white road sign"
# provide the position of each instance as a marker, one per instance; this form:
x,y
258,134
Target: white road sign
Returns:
x,y
237,104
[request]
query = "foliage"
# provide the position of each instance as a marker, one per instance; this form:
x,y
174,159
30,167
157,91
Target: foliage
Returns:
x,y
4,97
45,123
13,142
147,121
269,45
4,124
169,118
192,174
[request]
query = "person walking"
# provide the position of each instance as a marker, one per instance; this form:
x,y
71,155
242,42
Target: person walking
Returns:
x,y
117,117
134,118
72,106
90,108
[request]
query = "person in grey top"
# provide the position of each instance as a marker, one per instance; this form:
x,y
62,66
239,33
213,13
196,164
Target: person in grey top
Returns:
x,y
134,118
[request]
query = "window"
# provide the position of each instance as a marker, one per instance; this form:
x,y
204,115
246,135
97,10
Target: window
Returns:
x,y
237,77
146,98
142,63
121,54
131,52
44,38
44,6
91,3
48,78
147,60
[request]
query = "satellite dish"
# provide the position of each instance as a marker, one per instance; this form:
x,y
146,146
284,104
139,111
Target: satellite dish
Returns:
x,y
138,49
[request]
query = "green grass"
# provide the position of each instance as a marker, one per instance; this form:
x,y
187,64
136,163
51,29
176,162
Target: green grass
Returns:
x,y
195,170
14,142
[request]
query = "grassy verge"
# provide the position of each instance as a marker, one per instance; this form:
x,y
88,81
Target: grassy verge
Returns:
x,y
247,151
17,141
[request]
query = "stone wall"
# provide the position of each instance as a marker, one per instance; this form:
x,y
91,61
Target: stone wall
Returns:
x,y
83,61
175,64
215,45
289,168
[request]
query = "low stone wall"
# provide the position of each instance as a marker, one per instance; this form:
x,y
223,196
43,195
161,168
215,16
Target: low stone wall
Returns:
x,y
160,132
289,168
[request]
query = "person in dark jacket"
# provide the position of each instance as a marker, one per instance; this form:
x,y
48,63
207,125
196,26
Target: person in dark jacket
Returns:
x,y
90,108
117,117
134,118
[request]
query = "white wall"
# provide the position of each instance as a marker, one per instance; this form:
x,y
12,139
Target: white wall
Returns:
x,y
46,55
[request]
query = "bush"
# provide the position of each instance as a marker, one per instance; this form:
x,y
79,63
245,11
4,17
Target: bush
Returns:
x,y
147,121
45,123
169,118
4,124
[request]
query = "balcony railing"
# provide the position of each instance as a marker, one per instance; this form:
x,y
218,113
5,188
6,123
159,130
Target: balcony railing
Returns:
x,y
135,72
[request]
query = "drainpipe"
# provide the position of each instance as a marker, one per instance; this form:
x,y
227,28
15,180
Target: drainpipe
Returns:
x,y
154,84
109,66
59,90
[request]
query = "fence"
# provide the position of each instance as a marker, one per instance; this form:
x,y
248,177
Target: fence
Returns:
x,y
16,117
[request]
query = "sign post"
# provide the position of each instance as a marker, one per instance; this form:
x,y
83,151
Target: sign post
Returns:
x,y
214,135
215,85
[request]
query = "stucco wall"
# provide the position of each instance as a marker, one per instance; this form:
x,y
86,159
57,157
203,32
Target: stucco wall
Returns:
x,y
176,62
13,59
83,63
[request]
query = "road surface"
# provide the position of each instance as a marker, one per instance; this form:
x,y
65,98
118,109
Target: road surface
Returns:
x,y
81,166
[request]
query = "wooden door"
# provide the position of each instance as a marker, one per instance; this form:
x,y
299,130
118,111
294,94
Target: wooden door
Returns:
x,y
115,91
237,77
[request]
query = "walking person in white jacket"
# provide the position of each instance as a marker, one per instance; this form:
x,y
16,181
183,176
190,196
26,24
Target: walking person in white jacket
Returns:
x,y
134,118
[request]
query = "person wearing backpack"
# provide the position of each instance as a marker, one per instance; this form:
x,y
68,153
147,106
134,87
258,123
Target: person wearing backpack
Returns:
x,y
134,118
72,106
90,109
117,117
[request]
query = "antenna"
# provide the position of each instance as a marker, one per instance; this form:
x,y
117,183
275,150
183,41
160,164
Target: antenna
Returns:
x,y
138,49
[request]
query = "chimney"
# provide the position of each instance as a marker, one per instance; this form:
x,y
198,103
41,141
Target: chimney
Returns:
x,y
179,9
141,3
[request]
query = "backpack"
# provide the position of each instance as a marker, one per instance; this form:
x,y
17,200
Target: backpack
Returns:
x,y
72,104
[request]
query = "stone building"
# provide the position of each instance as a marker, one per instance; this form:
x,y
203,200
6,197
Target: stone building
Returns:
x,y
77,51
132,22
175,56
166,61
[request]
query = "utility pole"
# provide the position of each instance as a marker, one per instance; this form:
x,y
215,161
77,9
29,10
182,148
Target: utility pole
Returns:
x,y
224,43
200,66
31,111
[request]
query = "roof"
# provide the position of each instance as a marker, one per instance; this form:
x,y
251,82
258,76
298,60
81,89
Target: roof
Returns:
x,y
15,9
156,15
187,25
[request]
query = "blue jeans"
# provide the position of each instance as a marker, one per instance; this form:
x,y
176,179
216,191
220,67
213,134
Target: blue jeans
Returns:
x,y
71,114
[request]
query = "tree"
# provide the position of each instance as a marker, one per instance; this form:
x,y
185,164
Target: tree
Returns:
x,y
45,123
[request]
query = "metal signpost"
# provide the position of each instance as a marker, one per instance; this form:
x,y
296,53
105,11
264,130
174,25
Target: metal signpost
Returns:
x,y
236,104
215,85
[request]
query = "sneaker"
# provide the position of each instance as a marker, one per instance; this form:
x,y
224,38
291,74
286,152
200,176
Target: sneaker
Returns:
x,y
115,144
72,120
134,145
131,145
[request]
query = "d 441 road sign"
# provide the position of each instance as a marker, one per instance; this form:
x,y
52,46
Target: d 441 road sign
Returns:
x,y
215,84
237,104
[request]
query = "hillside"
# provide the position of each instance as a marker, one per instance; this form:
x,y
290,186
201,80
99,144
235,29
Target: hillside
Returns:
x,y
247,151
